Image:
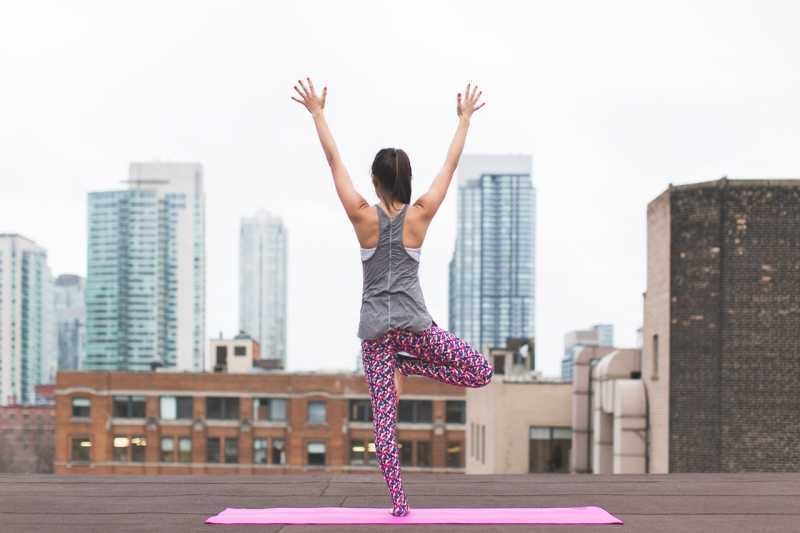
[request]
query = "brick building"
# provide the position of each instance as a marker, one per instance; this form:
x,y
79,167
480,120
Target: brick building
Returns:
x,y
256,423
26,438
721,349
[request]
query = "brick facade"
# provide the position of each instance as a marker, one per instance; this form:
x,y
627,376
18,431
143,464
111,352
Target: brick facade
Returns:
x,y
734,347
336,390
26,439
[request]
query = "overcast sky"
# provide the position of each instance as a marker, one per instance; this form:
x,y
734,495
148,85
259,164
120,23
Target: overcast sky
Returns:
x,y
613,100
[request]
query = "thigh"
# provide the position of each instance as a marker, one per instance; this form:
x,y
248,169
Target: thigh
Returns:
x,y
438,345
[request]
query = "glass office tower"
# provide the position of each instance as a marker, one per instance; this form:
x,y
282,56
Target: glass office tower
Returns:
x,y
492,272
70,318
27,335
145,287
263,283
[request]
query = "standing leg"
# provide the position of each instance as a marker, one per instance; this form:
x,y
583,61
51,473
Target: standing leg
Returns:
x,y
442,356
379,369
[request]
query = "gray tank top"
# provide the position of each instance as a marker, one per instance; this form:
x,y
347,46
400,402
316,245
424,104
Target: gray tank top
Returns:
x,y
391,297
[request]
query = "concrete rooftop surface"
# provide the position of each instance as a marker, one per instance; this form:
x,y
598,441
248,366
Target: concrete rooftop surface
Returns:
x,y
652,503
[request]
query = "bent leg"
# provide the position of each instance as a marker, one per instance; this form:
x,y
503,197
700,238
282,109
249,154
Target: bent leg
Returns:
x,y
379,370
442,356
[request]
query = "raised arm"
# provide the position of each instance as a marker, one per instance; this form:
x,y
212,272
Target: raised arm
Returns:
x,y
431,200
354,204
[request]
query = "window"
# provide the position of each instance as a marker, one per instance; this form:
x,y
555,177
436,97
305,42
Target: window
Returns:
x,y
483,444
81,407
240,350
176,407
316,453
222,356
231,450
316,412
362,453
357,452
278,452
128,406
128,449
415,411
456,411
222,408
81,450
167,450
454,455
360,411
260,451
549,449
655,357
423,453
185,450
472,440
406,453
272,409
212,450
499,364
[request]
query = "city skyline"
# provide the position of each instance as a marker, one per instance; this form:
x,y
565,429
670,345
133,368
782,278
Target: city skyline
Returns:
x,y
612,112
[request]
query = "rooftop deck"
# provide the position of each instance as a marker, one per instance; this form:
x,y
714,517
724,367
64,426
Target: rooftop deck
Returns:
x,y
652,503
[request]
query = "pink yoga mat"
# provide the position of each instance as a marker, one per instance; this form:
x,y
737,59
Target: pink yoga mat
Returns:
x,y
419,515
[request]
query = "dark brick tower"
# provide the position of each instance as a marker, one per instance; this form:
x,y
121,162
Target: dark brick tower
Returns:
x,y
730,342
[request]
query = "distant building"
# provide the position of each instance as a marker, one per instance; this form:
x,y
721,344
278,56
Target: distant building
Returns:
x,y
260,423
493,270
576,340
236,356
27,337
70,318
263,283
26,439
714,387
721,355
145,288
520,422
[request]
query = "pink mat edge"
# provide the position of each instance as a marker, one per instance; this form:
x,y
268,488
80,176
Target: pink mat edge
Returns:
x,y
605,517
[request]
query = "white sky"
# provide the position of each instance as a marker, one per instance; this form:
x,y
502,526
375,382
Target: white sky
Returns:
x,y
613,99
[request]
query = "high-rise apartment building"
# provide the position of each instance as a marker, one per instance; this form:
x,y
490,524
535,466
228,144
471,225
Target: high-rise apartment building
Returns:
x,y
263,283
492,272
70,320
145,289
27,352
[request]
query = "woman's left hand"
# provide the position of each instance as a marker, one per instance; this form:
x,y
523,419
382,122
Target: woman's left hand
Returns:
x,y
310,100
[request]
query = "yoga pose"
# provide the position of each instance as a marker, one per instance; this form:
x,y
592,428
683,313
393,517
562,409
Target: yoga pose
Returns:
x,y
397,333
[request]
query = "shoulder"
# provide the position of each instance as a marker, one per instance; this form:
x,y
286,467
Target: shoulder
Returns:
x,y
363,213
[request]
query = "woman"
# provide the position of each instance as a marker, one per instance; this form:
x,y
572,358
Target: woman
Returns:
x,y
397,333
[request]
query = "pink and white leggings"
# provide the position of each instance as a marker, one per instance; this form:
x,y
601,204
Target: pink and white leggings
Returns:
x,y
437,354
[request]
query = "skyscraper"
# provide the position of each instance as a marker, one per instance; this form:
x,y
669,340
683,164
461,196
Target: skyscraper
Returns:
x,y
263,283
145,289
492,272
576,340
70,321
27,355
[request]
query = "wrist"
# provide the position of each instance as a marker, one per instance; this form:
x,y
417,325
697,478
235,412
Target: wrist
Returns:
x,y
463,119
317,114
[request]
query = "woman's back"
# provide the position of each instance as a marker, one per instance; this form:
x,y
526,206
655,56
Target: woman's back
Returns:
x,y
391,295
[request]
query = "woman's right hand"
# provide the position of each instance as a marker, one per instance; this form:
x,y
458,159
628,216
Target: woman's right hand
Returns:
x,y
466,106
315,104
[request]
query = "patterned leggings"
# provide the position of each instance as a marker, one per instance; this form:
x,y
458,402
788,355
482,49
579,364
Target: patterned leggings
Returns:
x,y
440,355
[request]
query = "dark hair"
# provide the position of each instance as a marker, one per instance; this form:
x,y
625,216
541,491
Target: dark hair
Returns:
x,y
392,168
